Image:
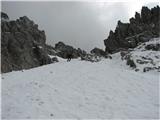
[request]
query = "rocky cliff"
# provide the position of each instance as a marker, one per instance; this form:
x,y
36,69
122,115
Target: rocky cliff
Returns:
x,y
22,44
141,28
62,50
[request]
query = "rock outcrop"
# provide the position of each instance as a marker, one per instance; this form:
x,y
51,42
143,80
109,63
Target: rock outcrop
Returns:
x,y
91,58
145,57
141,28
4,16
22,44
62,50
98,52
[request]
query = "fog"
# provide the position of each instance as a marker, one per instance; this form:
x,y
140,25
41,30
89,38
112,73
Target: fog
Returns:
x,y
80,24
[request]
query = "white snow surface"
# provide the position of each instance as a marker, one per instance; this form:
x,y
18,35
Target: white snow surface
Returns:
x,y
79,89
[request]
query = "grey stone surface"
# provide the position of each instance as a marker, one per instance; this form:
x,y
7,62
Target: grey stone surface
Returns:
x,y
22,45
98,52
62,50
141,28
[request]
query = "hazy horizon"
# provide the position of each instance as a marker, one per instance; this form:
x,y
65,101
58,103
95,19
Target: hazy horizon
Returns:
x,y
80,24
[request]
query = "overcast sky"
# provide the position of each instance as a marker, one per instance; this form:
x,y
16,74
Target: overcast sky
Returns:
x,y
81,24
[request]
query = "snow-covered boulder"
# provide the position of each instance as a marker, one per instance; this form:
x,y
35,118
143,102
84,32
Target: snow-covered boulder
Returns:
x,y
146,56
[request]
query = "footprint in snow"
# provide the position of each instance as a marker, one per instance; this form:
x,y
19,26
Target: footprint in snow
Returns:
x,y
36,83
40,86
156,105
41,103
55,90
80,105
107,98
86,98
51,115
37,99
28,117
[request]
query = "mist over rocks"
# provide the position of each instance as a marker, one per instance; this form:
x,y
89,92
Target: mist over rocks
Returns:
x,y
142,28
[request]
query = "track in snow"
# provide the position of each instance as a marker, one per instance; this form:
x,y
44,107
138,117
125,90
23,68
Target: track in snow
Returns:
x,y
80,89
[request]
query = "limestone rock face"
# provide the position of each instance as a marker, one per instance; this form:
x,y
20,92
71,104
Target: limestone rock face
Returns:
x,y
141,28
4,16
98,52
22,44
62,50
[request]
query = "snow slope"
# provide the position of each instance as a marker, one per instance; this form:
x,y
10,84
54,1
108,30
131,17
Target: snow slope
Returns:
x,y
80,89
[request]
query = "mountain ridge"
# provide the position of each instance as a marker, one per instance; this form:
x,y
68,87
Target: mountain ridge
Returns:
x,y
141,28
